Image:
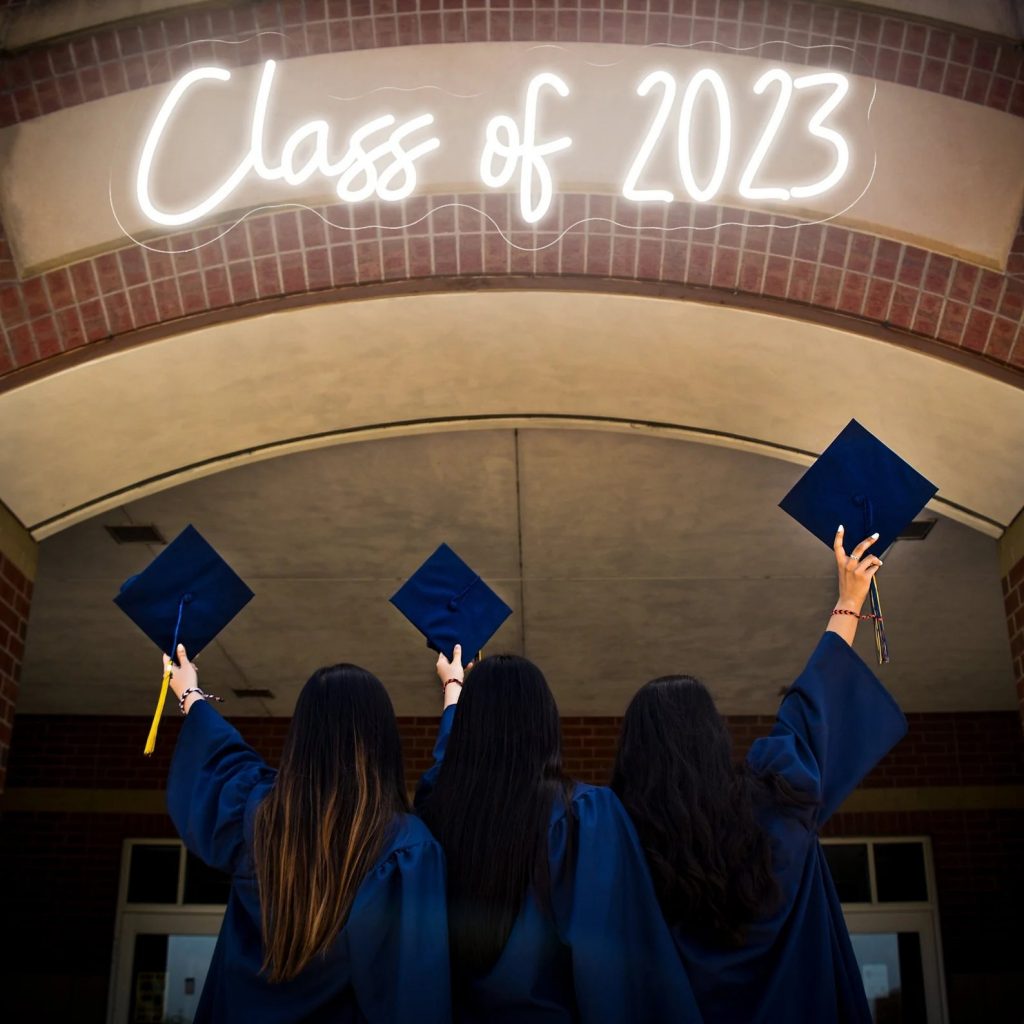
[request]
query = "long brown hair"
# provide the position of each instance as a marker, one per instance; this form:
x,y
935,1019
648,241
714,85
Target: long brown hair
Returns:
x,y
326,819
491,807
695,811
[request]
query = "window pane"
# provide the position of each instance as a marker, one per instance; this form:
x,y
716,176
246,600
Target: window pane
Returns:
x,y
203,884
153,874
168,973
893,977
188,959
149,977
848,863
899,873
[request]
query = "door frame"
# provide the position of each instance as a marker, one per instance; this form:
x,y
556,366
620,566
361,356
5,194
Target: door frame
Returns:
x,y
177,921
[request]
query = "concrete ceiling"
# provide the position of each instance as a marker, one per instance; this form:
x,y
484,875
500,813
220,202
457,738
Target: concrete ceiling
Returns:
x,y
85,440
623,556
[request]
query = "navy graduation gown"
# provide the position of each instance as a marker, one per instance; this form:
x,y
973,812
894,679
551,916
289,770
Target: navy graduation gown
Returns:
x,y
388,965
602,953
835,723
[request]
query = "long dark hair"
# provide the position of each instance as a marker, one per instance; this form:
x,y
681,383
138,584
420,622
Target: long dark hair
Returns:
x,y
492,805
694,810
324,822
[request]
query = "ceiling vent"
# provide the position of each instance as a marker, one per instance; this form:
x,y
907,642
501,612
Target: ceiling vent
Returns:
x,y
265,694
136,534
917,530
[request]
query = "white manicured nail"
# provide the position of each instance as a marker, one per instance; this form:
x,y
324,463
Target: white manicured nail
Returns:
x,y
874,536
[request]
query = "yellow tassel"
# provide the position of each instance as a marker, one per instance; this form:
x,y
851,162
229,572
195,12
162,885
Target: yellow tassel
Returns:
x,y
164,686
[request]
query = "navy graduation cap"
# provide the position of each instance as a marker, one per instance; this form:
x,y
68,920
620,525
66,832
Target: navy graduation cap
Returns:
x,y
450,604
866,486
186,595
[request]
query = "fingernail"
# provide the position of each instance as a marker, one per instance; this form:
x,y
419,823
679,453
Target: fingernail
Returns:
x,y
840,530
874,536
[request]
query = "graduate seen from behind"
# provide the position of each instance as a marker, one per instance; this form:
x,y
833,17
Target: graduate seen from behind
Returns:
x,y
734,849
552,913
337,906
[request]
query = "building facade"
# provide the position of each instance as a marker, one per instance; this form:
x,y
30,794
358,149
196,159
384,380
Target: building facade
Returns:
x,y
579,288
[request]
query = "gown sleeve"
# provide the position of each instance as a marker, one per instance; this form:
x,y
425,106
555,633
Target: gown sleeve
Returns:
x,y
427,782
398,940
213,772
836,722
625,964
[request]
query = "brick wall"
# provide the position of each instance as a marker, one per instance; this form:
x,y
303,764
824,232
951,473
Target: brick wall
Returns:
x,y
67,864
977,857
58,911
885,288
1013,597
15,600
105,752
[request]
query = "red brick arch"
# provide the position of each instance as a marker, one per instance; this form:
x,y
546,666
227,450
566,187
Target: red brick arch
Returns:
x,y
111,60
900,292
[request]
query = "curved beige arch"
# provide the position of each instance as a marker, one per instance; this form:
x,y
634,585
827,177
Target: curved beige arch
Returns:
x,y
142,420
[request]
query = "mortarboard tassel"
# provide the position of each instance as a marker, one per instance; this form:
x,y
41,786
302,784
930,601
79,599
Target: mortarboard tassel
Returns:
x,y
881,644
164,686
165,682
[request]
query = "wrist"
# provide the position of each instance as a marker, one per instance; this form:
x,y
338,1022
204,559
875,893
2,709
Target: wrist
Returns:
x,y
184,706
849,604
193,693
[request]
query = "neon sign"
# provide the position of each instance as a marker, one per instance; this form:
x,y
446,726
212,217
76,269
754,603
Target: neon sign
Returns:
x,y
380,157
529,153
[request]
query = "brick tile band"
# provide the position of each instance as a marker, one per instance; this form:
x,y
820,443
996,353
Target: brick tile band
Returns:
x,y
1013,600
811,267
93,65
15,601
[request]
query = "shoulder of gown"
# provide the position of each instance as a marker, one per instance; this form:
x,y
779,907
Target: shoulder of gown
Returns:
x,y
214,781
397,932
836,722
625,963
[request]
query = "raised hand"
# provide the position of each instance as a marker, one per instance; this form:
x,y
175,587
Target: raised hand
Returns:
x,y
855,571
452,674
184,675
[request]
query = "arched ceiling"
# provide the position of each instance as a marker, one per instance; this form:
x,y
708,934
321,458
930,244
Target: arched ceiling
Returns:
x,y
139,421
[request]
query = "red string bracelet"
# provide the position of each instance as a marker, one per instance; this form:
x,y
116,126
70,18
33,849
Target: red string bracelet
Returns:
x,y
846,611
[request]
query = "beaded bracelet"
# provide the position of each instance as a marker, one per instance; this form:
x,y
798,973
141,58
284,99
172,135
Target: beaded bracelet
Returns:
x,y
846,611
445,685
195,689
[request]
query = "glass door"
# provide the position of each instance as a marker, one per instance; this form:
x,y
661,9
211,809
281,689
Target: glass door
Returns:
x,y
899,965
887,889
160,964
170,910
